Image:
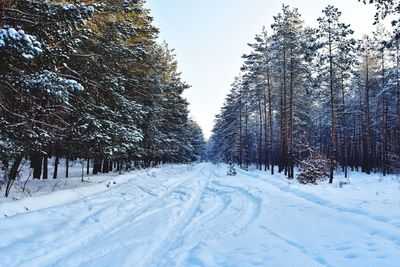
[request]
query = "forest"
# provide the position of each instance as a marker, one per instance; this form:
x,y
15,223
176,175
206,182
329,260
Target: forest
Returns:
x,y
103,164
89,81
317,99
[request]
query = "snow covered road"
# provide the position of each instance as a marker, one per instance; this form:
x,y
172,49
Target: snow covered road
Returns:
x,y
198,216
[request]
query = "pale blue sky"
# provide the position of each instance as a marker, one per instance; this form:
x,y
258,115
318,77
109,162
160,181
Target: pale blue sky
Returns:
x,y
210,36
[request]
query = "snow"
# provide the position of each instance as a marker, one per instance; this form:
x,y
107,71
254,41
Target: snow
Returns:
x,y
52,84
26,45
183,215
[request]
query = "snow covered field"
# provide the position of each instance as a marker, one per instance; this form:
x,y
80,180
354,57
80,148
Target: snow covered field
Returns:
x,y
197,216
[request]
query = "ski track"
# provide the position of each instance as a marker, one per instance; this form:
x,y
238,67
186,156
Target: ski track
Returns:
x,y
164,221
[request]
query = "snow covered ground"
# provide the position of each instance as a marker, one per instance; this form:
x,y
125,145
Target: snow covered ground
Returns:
x,y
197,216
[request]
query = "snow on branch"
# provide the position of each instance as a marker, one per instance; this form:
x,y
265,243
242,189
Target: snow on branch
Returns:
x,y
23,44
52,84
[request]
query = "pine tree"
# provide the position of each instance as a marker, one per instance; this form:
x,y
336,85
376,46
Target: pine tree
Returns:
x,y
333,44
88,80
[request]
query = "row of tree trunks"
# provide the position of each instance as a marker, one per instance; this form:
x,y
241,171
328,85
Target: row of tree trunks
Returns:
x,y
39,163
265,154
40,166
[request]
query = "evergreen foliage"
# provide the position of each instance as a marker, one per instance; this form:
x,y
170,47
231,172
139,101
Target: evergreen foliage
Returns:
x,y
317,87
88,80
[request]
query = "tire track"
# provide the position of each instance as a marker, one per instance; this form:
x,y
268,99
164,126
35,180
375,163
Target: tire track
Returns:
x,y
237,209
163,208
120,217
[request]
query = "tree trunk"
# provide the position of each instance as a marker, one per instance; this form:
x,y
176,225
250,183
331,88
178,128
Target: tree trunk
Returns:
x,y
118,166
87,166
56,163
384,117
36,161
66,167
332,104
240,145
271,126
105,166
96,166
4,168
398,96
283,138
260,149
368,137
45,167
344,141
266,160
13,174
290,127
246,134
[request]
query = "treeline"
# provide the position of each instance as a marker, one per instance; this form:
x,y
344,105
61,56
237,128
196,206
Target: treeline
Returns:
x,y
307,93
88,80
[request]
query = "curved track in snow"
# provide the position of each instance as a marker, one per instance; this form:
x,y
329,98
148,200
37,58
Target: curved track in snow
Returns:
x,y
198,216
